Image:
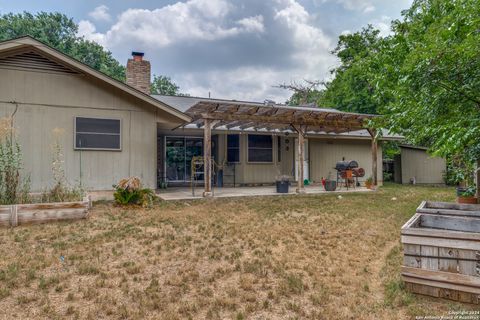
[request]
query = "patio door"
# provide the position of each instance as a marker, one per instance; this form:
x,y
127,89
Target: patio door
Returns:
x,y
306,161
179,152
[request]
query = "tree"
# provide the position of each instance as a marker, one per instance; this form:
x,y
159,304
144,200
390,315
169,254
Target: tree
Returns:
x,y
165,86
431,76
353,89
303,93
60,32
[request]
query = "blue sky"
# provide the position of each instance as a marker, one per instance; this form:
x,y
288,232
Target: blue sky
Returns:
x,y
233,49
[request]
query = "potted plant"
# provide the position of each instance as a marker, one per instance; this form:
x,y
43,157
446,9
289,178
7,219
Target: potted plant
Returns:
x,y
282,183
466,195
369,183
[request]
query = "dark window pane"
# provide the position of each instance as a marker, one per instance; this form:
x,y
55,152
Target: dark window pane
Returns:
x,y
175,142
97,141
233,155
260,155
259,141
233,141
92,125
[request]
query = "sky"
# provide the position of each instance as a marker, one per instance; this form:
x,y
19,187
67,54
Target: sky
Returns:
x,y
231,49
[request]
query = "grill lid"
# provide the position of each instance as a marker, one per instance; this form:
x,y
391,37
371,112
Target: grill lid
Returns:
x,y
345,165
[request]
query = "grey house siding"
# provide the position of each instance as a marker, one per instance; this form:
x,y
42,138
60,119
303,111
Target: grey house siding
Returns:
x,y
418,164
323,154
49,100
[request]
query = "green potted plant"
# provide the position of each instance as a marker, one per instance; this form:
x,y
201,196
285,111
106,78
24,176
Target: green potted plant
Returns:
x,y
369,183
467,195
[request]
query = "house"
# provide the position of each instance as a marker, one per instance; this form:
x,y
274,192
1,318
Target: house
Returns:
x,y
110,130
415,166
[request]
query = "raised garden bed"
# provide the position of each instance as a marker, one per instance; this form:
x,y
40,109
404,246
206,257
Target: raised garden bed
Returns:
x,y
14,215
449,208
442,252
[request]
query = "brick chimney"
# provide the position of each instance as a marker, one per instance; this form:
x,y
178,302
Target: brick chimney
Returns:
x,y
138,72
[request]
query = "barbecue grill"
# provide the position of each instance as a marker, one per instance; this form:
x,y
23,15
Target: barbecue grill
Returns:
x,y
349,172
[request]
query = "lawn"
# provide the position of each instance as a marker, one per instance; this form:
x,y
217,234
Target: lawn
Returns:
x,y
293,257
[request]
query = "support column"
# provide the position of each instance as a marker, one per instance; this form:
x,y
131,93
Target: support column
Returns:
x,y
301,147
207,157
373,133
477,178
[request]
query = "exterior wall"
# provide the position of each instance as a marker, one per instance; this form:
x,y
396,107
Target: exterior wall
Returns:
x,y
47,101
325,153
416,163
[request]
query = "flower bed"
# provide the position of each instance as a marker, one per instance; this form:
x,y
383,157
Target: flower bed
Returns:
x,y
14,215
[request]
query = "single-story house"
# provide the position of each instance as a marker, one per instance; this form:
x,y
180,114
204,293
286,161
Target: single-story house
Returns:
x,y
110,130
415,166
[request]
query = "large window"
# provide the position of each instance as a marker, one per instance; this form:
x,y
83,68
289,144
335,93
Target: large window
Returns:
x,y
233,148
260,148
97,134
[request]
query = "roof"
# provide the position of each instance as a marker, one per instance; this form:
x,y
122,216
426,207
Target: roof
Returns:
x,y
196,106
27,41
413,147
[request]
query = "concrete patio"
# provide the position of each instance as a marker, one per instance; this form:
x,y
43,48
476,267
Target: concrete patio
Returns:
x,y
185,193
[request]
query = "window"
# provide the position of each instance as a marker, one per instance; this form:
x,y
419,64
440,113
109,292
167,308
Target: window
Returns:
x,y
260,148
97,134
279,149
233,148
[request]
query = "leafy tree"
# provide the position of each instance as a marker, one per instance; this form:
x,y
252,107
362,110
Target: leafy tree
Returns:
x,y
353,87
60,32
303,93
431,76
165,86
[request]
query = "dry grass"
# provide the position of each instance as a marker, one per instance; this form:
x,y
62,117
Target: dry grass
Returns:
x,y
295,257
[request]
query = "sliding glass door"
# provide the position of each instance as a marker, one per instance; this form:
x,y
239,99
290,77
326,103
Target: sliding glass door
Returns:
x,y
179,152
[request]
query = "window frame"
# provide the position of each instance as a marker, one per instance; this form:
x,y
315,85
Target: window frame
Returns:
x,y
271,148
279,149
75,147
238,148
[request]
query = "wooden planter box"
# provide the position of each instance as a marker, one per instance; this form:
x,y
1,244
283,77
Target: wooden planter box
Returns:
x,y
15,215
449,208
442,254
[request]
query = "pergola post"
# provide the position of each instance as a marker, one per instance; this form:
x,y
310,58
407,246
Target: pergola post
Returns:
x,y
373,133
301,147
207,157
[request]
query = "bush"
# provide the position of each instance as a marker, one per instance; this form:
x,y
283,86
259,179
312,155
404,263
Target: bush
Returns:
x,y
129,191
13,188
61,191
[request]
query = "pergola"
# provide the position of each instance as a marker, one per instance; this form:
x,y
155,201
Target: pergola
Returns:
x,y
275,118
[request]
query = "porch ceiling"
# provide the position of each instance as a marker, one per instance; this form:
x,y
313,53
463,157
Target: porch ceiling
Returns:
x,y
276,118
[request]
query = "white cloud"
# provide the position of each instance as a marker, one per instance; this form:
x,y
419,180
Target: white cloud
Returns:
x,y
100,13
216,46
252,24
183,21
364,6
87,30
383,25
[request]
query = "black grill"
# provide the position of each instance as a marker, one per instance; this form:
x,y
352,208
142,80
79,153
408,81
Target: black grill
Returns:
x,y
346,165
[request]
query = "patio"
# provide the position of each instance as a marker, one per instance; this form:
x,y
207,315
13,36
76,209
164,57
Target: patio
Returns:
x,y
185,193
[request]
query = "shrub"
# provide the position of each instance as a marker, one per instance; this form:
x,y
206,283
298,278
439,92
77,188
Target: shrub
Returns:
x,y
13,188
130,191
61,190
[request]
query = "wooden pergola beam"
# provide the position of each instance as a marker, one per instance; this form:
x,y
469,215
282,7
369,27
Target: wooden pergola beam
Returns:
x,y
373,134
207,157
301,147
348,125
